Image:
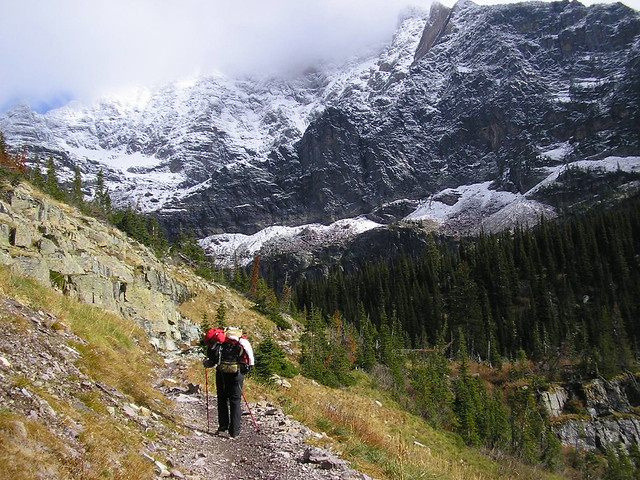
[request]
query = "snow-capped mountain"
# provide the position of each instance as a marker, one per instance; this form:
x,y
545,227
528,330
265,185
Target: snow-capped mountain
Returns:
x,y
459,120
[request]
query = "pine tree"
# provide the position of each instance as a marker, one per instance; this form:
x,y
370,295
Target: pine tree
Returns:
x,y
431,381
159,241
205,326
271,360
465,310
497,432
314,351
528,424
35,173
366,352
221,315
76,196
619,467
51,186
240,279
255,276
101,198
467,406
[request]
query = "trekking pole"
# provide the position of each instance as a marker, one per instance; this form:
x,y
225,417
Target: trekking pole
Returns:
x,y
206,393
252,417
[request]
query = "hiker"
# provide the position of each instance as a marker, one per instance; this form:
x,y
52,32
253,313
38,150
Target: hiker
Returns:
x,y
232,355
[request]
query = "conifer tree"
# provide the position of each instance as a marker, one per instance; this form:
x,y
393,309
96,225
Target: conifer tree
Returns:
x,y
158,238
255,276
619,467
528,425
467,406
52,187
221,315
205,326
76,196
240,280
35,173
431,381
271,360
497,433
465,310
366,353
313,344
101,197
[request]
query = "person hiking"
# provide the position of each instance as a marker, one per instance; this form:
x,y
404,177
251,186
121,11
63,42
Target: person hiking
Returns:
x,y
230,352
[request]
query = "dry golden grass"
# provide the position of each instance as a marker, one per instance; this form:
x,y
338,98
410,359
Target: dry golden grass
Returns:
x,y
114,352
28,450
239,312
389,443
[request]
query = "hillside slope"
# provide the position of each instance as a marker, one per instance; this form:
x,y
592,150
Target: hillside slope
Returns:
x,y
128,413
88,392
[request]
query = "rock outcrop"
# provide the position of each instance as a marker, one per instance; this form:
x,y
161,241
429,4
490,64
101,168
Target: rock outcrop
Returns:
x,y
93,262
597,414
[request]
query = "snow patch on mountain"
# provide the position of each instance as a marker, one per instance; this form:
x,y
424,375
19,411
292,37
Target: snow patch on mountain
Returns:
x,y
116,158
231,249
608,164
472,208
557,152
453,203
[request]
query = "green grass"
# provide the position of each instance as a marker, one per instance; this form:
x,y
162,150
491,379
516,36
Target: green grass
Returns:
x,y
390,444
114,352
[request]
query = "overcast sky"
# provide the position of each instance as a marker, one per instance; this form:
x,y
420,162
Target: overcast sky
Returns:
x,y
55,50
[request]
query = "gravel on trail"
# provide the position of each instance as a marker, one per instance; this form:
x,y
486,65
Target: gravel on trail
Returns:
x,y
38,353
271,445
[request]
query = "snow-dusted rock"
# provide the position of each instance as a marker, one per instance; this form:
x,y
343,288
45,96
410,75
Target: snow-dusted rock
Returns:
x,y
458,97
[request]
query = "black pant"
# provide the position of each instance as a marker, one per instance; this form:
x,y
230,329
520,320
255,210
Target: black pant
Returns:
x,y
229,389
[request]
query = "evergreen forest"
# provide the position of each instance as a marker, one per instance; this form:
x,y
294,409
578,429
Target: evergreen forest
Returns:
x,y
469,333
566,293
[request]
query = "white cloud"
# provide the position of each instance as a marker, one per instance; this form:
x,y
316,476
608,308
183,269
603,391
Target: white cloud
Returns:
x,y
54,50
76,48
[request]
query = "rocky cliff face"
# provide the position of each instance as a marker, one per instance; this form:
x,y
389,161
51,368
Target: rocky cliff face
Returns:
x,y
459,96
95,263
596,415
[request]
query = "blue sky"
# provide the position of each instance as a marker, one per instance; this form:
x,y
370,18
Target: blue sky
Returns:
x,y
53,51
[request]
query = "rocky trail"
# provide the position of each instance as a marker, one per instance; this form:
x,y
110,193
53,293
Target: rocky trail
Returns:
x,y
39,381
270,446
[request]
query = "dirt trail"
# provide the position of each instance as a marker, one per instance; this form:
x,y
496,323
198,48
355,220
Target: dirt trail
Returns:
x,y
40,355
272,448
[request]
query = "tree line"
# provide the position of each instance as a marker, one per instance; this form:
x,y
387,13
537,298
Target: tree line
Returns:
x,y
559,301
567,290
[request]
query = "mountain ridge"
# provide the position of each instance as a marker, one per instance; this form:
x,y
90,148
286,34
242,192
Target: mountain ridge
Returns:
x,y
459,96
